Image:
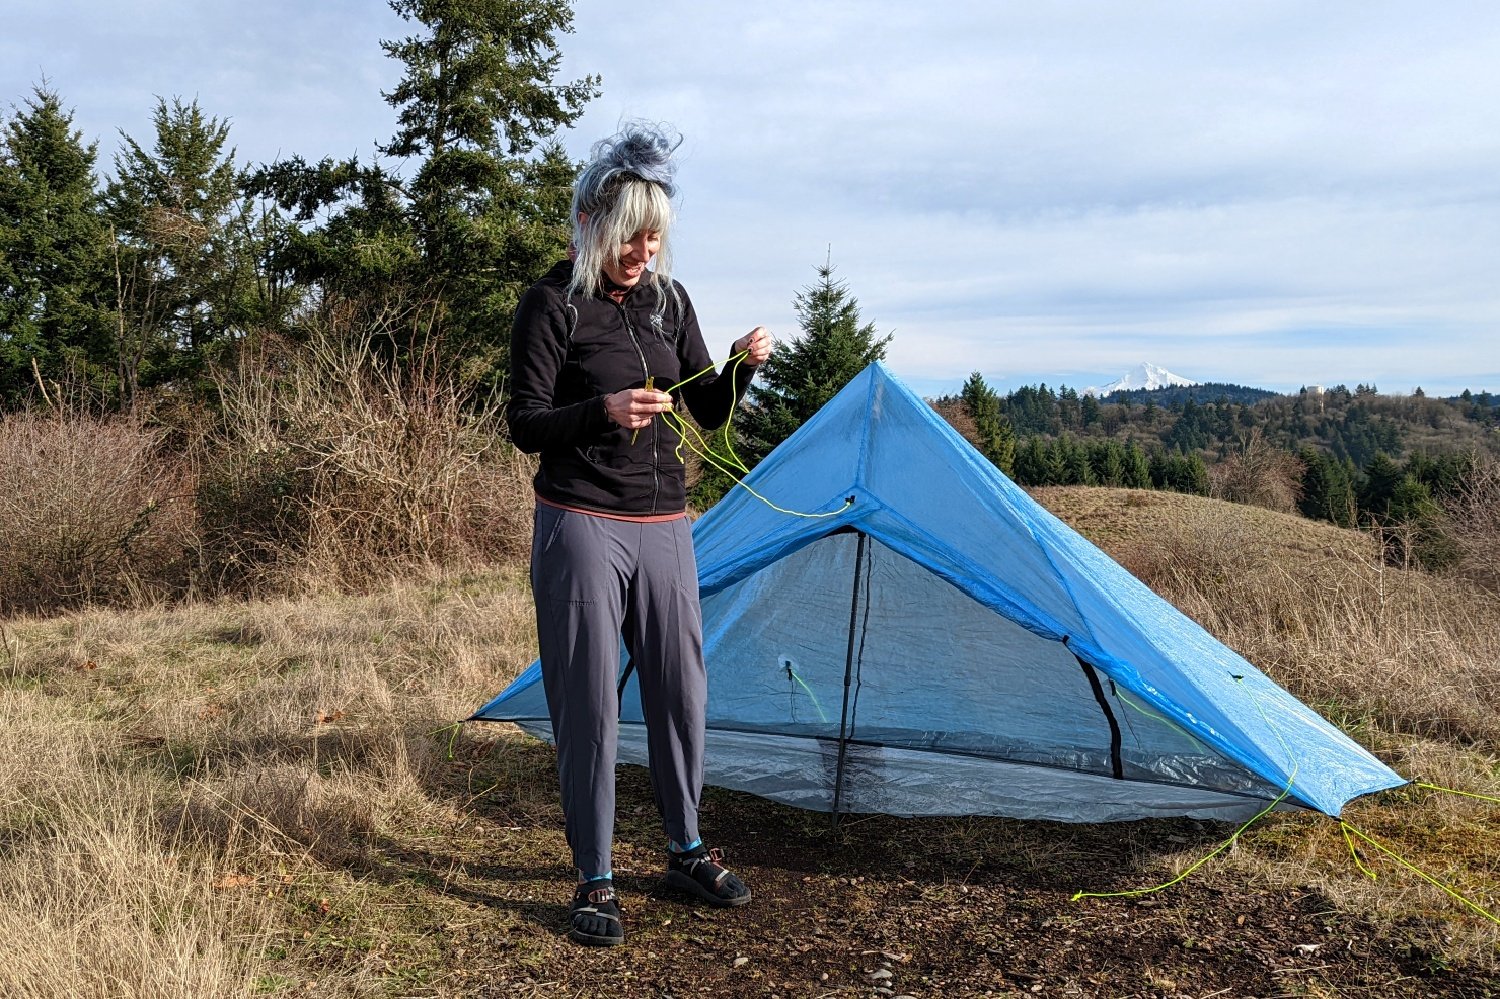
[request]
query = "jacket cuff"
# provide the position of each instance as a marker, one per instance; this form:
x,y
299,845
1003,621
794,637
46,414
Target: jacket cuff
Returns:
x,y
602,422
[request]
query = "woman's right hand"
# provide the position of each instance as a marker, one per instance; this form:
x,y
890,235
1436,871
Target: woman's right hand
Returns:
x,y
634,409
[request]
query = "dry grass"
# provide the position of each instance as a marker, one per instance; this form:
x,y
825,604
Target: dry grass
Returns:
x,y
97,900
1473,524
257,799
183,789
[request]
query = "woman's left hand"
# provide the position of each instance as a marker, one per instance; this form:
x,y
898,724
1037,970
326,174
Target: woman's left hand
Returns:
x,y
756,344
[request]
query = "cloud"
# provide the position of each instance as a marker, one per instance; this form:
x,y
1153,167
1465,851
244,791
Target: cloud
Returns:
x,y
1269,193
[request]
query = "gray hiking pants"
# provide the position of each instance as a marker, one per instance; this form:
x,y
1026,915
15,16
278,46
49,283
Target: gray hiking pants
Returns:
x,y
596,580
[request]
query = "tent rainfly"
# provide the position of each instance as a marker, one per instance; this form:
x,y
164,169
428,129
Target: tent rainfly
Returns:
x,y
936,643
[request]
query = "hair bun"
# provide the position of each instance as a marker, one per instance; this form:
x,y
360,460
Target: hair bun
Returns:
x,y
641,148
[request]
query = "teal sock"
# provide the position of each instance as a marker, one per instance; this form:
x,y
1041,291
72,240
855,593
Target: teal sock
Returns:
x,y
584,879
672,845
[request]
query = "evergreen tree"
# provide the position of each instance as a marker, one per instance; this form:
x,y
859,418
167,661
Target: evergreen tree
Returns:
x,y
1185,473
1327,492
1137,467
996,440
1088,408
186,249
1031,463
1055,464
1107,459
1411,502
1073,461
56,285
477,99
806,371
1069,410
1378,488
1316,488
1032,410
486,209
1158,468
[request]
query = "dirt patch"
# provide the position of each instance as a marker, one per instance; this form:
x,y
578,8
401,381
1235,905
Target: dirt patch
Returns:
x,y
878,906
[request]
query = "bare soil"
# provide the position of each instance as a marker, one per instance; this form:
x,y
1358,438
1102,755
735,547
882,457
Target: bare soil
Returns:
x,y
877,906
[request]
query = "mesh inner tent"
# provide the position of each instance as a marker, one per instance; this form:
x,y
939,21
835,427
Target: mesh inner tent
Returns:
x,y
931,673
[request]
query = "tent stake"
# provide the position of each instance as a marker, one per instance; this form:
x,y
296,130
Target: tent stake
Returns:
x,y
838,774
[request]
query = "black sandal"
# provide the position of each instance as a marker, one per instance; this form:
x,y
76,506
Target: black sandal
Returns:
x,y
596,916
700,872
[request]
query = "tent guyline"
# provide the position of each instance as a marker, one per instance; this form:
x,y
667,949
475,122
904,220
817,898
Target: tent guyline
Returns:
x,y
728,462
1345,828
986,658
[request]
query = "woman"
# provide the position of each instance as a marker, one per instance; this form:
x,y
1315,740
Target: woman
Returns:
x,y
594,342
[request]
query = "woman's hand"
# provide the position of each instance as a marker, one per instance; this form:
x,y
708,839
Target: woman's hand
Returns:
x,y
636,408
756,344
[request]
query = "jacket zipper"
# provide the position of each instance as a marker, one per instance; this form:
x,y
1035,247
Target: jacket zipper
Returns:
x,y
645,373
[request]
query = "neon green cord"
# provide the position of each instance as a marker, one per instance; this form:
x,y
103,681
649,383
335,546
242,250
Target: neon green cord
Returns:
x,y
729,464
1466,794
1421,873
1344,828
452,731
1291,780
1141,709
810,695
1185,874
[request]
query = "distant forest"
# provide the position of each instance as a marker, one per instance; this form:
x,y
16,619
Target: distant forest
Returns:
x,y
1352,457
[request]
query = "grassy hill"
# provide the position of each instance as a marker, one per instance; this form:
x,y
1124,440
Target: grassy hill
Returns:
x,y
260,798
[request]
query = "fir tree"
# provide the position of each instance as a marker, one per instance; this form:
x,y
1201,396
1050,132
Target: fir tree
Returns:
x,y
186,249
486,209
1107,459
1378,488
1074,458
806,371
56,287
1031,463
996,440
1137,467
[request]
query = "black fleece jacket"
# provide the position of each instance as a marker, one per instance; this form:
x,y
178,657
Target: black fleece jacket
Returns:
x,y
567,354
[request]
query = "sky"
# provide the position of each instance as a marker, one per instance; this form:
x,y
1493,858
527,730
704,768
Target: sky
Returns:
x,y
1266,193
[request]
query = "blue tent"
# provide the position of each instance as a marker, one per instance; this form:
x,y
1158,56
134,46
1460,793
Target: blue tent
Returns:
x,y
937,643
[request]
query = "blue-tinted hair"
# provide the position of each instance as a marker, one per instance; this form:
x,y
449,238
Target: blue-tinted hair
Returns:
x,y
625,188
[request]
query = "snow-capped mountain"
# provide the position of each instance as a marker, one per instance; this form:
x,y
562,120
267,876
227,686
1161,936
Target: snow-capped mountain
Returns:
x,y
1142,376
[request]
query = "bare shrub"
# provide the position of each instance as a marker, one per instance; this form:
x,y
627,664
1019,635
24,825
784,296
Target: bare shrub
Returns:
x,y
335,466
1474,524
957,415
1258,474
93,512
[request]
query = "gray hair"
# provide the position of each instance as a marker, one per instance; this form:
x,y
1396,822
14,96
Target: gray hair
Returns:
x,y
625,188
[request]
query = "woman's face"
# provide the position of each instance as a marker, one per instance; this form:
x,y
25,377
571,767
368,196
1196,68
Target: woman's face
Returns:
x,y
634,256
